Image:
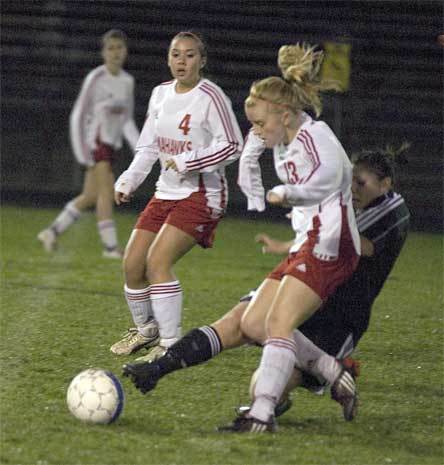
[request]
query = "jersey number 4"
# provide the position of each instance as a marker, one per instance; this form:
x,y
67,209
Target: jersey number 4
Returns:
x,y
292,175
185,124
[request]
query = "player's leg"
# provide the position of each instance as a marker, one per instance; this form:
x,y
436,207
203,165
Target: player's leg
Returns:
x,y
294,302
253,321
201,344
324,345
137,295
169,246
334,340
189,222
284,404
70,213
88,197
197,346
228,327
300,294
104,209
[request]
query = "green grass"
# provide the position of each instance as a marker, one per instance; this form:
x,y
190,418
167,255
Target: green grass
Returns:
x,y
61,312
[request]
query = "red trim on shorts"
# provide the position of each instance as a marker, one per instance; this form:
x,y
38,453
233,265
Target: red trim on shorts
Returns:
x,y
322,276
191,215
103,152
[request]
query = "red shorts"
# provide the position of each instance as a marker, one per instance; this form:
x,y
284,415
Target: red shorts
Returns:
x,y
191,215
322,276
104,152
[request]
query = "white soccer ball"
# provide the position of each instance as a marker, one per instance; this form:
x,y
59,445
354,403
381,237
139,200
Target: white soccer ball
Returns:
x,y
95,396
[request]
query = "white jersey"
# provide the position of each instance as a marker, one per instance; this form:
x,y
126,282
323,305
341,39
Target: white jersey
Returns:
x,y
103,112
316,175
199,131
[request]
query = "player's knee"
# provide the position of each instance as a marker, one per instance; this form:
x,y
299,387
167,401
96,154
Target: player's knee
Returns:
x,y
134,272
229,332
252,328
275,326
85,201
156,268
89,201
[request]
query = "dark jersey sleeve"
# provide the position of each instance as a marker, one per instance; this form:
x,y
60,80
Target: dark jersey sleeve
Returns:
x,y
352,302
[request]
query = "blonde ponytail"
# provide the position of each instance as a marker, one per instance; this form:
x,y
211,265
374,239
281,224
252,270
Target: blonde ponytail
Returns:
x,y
301,83
300,65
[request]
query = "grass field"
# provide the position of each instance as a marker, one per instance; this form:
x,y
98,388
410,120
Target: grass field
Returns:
x,y
61,312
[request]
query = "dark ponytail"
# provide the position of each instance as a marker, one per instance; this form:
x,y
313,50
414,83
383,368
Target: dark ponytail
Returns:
x,y
382,162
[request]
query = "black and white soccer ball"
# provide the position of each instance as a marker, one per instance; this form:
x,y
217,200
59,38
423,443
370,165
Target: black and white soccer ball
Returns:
x,y
95,396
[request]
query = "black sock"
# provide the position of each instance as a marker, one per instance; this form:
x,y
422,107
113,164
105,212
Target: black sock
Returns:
x,y
197,346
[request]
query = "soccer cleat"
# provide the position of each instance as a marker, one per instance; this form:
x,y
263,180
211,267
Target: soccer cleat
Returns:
x,y
48,239
352,365
245,424
143,375
154,354
345,393
112,253
283,406
133,341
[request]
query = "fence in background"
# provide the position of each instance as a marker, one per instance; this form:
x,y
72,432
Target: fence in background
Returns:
x,y
395,94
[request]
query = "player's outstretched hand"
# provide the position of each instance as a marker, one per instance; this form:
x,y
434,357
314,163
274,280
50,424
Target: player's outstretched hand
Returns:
x,y
277,197
143,375
273,246
120,197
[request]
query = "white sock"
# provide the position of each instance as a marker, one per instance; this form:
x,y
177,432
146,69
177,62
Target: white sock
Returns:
x,y
139,303
69,215
277,363
312,359
326,367
108,234
166,302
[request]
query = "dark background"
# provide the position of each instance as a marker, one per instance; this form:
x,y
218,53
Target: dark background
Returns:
x,y
395,94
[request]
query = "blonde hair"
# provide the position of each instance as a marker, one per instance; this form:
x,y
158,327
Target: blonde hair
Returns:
x,y
300,84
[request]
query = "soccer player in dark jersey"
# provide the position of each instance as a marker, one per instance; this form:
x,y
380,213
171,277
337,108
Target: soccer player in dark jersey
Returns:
x,y
383,219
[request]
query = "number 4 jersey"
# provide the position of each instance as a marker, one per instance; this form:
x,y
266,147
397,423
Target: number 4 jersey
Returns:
x,y
199,131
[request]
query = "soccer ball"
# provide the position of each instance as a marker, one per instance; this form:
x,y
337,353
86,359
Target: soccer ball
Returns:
x,y
95,396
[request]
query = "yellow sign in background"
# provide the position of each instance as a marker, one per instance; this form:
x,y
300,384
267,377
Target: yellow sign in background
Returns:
x,y
336,65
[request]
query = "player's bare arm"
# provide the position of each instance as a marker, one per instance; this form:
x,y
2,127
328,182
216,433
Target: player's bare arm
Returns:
x,y
273,246
367,247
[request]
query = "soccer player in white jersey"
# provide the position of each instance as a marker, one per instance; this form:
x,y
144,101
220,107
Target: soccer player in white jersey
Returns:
x,y
102,115
334,332
191,129
316,177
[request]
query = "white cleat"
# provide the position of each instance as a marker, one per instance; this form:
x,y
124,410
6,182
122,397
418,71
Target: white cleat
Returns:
x,y
344,391
48,239
133,341
116,254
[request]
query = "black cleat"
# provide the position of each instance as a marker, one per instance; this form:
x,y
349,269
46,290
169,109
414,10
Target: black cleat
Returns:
x,y
344,391
246,424
143,375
